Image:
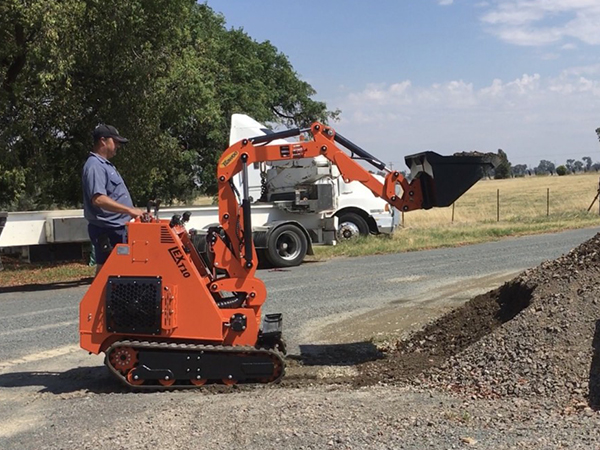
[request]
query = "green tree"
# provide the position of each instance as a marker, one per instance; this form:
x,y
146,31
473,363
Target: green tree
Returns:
x,y
503,170
166,73
570,165
545,166
588,163
561,170
519,170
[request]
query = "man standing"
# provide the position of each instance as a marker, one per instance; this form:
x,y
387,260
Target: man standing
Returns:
x,y
107,205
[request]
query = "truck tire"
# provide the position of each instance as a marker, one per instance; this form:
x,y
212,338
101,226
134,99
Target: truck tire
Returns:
x,y
350,226
287,246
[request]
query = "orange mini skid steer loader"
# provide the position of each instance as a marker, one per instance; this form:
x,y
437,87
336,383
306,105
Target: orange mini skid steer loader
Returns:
x,y
167,316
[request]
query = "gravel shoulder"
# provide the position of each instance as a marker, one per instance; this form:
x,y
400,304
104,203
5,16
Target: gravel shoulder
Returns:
x,y
314,417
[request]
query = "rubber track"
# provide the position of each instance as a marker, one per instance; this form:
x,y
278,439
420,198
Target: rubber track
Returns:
x,y
140,345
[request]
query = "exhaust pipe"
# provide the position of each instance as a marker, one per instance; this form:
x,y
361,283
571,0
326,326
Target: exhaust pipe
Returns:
x,y
445,178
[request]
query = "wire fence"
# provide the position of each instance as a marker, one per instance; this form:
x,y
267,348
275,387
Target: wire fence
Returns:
x,y
514,201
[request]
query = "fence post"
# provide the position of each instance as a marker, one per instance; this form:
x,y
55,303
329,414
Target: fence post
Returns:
x,y
453,212
498,205
547,202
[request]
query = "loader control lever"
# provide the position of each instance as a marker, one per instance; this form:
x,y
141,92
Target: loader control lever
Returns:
x,y
153,204
176,221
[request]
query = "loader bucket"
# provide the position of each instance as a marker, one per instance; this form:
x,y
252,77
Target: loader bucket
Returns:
x,y
445,178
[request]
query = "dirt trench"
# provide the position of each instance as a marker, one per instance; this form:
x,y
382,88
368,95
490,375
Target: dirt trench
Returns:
x,y
447,336
536,335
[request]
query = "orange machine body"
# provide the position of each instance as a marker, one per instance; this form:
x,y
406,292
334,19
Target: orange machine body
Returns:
x,y
188,295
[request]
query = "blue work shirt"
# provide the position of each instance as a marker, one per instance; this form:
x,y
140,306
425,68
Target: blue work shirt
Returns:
x,y
101,177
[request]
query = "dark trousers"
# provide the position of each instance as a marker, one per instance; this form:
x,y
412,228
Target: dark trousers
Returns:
x,y
105,239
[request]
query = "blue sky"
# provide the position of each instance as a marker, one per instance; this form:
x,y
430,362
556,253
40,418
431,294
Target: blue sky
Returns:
x,y
444,75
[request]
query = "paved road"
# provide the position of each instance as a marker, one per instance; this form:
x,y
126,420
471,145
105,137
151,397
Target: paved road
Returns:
x,y
31,322
39,339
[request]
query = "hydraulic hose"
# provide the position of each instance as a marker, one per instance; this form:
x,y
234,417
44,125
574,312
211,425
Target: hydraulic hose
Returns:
x,y
233,302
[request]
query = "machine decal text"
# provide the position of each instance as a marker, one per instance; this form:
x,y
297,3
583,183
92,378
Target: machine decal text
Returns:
x,y
178,257
228,160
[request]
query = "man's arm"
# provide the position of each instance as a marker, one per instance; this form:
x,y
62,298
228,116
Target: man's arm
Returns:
x,y
108,204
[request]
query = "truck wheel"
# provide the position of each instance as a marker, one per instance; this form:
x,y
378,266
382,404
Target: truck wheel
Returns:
x,y
350,226
287,246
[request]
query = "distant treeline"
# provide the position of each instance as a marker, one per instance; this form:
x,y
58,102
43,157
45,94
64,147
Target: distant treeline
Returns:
x,y
549,168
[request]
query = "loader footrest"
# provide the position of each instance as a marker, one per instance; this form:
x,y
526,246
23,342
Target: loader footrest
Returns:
x,y
272,325
271,331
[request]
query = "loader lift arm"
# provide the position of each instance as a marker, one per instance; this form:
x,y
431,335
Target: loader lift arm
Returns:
x,y
437,180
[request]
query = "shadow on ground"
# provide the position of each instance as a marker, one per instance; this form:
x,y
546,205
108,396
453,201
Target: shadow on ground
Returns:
x,y
91,379
98,380
349,354
47,286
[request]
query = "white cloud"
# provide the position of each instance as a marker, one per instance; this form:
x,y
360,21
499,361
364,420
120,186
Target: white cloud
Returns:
x,y
445,2
531,117
543,22
589,70
550,56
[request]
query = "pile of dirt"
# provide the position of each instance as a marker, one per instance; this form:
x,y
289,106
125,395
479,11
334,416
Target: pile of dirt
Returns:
x,y
537,335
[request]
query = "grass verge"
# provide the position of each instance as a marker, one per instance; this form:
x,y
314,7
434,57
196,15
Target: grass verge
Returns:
x,y
18,273
453,235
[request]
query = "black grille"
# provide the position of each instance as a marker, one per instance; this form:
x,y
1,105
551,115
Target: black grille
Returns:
x,y
165,236
133,305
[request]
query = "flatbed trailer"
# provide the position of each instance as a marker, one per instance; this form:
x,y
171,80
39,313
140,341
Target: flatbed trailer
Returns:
x,y
283,237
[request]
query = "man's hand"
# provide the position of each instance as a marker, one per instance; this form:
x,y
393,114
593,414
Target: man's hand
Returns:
x,y
135,212
108,204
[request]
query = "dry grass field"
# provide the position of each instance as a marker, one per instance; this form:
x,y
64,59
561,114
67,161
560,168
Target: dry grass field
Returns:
x,y
520,199
528,205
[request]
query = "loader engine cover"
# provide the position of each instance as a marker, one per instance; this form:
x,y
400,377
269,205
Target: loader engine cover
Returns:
x,y
133,305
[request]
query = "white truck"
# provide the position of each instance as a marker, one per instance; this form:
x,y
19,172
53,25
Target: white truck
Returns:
x,y
295,205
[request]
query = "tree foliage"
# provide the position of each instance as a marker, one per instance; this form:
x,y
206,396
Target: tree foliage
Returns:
x,y
545,166
166,73
519,170
502,170
570,165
